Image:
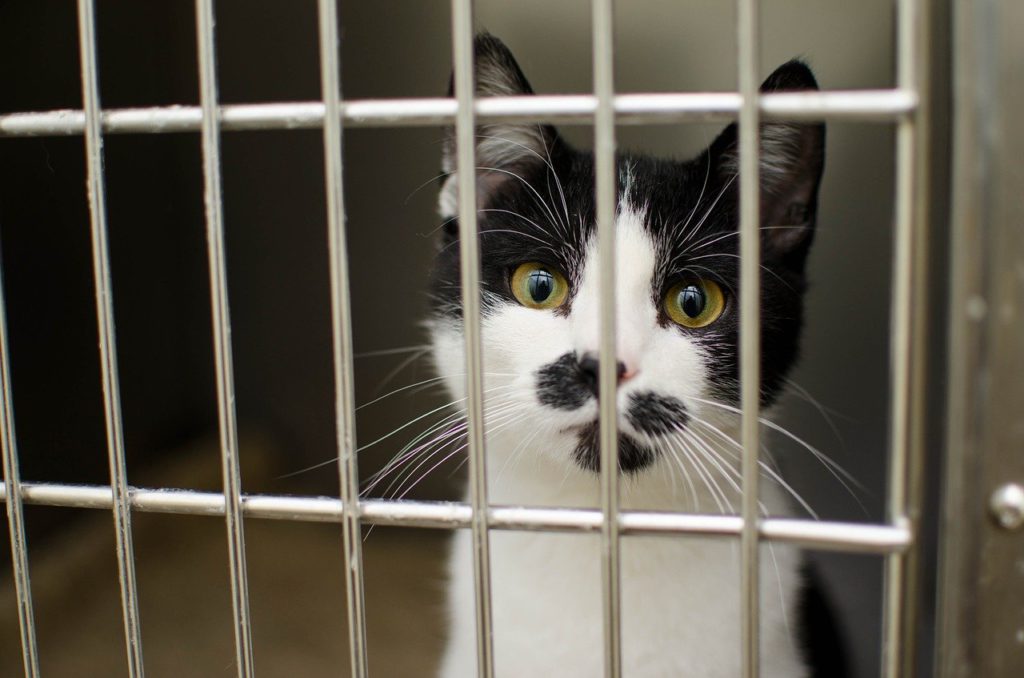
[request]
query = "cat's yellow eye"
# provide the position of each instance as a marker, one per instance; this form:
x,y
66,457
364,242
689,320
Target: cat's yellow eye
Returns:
x,y
538,286
695,303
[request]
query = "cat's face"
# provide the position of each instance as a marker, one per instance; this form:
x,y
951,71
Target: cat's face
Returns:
x,y
677,280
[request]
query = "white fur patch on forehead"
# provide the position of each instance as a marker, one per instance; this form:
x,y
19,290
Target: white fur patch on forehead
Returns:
x,y
635,259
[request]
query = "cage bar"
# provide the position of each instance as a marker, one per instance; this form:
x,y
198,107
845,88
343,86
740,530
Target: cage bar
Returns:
x,y
907,350
602,17
13,488
469,264
876,106
828,535
222,336
341,340
748,38
906,105
107,339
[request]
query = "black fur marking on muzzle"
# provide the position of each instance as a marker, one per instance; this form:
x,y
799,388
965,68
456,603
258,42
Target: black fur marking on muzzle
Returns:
x,y
656,415
562,384
633,456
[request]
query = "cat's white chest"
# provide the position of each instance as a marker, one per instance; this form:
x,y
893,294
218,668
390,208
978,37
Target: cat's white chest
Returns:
x,y
680,607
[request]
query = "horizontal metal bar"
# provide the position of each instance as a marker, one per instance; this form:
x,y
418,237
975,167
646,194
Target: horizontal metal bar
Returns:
x,y
821,535
856,105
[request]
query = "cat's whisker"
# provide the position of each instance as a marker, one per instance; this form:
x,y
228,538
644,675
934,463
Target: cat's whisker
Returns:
x,y
838,472
398,350
423,416
669,265
670,478
545,243
670,233
520,216
709,210
451,427
686,476
512,460
546,159
529,186
398,369
729,471
782,595
714,238
431,381
413,459
537,197
434,179
506,421
334,459
825,412
713,488
766,468
558,184
414,449
726,470
736,256
407,425
684,249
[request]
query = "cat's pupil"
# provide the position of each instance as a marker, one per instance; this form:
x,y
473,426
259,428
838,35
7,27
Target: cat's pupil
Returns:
x,y
692,301
540,285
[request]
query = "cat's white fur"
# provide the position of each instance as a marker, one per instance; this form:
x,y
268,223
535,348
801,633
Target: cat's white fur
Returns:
x,y
680,595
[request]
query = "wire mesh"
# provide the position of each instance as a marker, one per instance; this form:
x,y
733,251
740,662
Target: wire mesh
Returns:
x,y
12,490
213,199
107,341
748,39
469,260
605,109
341,339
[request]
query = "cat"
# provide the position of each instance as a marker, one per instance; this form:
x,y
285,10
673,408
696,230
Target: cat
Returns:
x,y
678,320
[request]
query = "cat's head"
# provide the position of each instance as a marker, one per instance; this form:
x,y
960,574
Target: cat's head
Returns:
x,y
677,263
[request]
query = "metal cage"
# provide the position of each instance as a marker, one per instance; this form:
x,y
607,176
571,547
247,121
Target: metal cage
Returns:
x,y
906,105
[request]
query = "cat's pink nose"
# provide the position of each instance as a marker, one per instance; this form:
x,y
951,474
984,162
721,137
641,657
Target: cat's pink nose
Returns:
x,y
589,369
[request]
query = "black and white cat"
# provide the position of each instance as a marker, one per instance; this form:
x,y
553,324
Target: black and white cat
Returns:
x,y
677,280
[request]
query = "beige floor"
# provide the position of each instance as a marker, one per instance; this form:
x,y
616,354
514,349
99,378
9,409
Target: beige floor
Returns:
x,y
297,599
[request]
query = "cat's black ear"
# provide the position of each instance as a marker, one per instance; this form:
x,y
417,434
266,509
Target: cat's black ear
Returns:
x,y
502,149
792,156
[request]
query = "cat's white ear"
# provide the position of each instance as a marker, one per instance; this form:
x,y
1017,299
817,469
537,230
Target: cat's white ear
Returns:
x,y
792,157
503,150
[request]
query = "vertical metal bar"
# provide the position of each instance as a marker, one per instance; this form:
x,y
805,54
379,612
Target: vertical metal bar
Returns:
x,y
341,335
222,336
469,253
107,341
907,347
15,516
606,189
750,327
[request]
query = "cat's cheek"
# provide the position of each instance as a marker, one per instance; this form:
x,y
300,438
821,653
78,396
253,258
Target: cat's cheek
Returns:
x,y
523,339
673,365
449,354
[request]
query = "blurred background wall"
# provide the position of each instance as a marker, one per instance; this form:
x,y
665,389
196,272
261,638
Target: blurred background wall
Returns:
x,y
276,239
